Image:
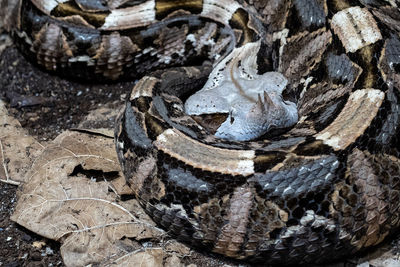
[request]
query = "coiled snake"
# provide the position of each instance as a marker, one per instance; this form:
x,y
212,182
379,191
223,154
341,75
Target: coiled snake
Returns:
x,y
324,185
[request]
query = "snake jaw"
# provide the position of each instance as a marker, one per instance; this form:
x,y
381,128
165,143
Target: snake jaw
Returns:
x,y
247,122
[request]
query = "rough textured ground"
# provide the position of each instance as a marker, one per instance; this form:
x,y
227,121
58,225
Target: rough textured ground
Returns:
x,y
46,105
19,247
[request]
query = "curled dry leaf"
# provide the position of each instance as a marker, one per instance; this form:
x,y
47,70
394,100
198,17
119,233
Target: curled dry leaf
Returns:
x,y
175,251
152,257
101,120
173,261
173,246
72,195
17,149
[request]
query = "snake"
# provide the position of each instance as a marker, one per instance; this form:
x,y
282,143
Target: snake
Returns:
x,y
322,187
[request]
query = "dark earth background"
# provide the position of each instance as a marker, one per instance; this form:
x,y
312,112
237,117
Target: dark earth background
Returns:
x,y
46,105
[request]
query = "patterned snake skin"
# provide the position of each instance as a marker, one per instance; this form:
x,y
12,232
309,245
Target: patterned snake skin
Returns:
x,y
327,187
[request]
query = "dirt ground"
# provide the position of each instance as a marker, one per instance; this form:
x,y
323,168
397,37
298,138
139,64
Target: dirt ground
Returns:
x,y
46,105
16,245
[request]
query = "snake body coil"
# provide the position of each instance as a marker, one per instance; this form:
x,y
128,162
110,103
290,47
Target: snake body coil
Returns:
x,y
324,188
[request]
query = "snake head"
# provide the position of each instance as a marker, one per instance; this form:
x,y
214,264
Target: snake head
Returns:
x,y
247,122
254,102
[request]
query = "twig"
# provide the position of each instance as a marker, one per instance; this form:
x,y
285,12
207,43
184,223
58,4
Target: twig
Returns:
x,y
8,180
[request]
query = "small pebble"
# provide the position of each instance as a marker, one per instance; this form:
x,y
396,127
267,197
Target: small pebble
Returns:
x,y
36,256
147,245
26,237
24,256
49,251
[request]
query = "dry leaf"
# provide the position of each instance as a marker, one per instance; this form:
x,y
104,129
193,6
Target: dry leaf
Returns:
x,y
180,249
17,149
39,244
176,251
148,258
69,196
101,120
173,261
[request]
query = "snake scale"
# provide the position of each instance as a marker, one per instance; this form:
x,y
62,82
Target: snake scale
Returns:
x,y
323,188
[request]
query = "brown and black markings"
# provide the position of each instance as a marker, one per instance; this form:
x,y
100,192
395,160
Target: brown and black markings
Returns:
x,y
65,38
326,188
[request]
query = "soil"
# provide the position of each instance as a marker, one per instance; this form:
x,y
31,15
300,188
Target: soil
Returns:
x,y
18,246
46,105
